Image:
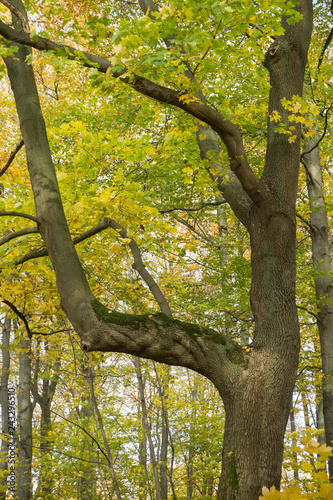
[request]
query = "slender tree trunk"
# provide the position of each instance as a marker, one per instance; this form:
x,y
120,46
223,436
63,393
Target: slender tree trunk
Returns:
x,y
191,448
146,428
162,384
45,480
24,478
102,430
5,407
320,424
294,442
322,280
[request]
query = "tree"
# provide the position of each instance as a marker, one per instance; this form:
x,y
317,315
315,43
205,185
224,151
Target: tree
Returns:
x,y
255,384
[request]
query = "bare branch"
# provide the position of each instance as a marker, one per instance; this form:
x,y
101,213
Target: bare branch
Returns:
x,y
20,315
308,367
182,209
79,426
3,213
326,45
139,266
320,138
309,312
17,234
11,157
304,220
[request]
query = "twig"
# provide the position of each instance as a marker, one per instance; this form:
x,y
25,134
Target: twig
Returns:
x,y
20,315
182,209
327,43
304,220
208,49
25,321
320,138
17,234
11,157
77,425
308,367
309,312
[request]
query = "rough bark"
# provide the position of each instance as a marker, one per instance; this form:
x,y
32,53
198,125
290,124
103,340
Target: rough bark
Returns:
x,y
256,387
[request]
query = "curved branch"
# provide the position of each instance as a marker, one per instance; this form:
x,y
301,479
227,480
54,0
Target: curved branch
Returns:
x,y
25,321
20,315
3,213
24,23
309,312
36,254
307,223
167,340
11,157
17,234
320,138
227,131
79,426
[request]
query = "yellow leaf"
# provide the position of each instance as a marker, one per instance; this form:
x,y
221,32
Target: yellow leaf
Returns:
x,y
296,107
275,116
202,137
271,494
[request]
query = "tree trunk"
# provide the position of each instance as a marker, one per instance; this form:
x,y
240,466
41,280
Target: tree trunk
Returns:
x,y
115,483
45,479
6,418
323,280
294,442
24,478
146,427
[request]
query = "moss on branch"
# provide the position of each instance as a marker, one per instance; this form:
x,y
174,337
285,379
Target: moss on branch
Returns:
x,y
160,319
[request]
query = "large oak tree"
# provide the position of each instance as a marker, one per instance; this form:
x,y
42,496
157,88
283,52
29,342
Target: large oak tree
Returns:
x,y
255,385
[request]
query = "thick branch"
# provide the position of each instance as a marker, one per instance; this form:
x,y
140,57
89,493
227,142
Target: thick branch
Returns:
x,y
170,341
228,132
